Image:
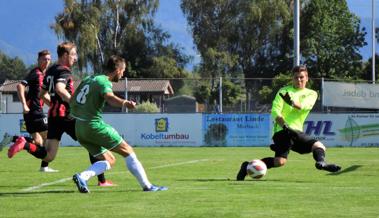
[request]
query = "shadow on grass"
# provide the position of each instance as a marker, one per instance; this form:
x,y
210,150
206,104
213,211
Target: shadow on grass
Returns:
x,y
346,170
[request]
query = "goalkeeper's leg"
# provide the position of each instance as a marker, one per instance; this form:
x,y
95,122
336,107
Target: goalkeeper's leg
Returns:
x,y
318,150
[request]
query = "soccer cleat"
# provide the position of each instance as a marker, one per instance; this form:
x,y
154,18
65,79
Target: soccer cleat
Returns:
x,y
48,170
107,183
16,147
322,165
6,140
80,183
242,172
155,188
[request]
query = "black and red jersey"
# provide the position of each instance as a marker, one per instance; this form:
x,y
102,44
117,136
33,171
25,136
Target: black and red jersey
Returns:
x,y
34,83
58,73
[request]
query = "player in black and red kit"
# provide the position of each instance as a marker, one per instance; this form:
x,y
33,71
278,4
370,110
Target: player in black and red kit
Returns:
x,y
32,105
57,88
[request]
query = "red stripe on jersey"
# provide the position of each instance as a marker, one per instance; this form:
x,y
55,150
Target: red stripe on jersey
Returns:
x,y
40,81
62,110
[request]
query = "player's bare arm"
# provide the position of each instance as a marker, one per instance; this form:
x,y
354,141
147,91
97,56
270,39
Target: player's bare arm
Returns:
x,y
60,89
115,101
44,95
21,96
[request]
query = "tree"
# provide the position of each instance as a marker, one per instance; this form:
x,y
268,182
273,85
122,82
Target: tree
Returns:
x,y
123,27
237,37
330,40
11,68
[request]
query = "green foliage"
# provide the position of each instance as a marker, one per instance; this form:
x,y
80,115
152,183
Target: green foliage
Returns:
x,y
123,27
147,107
330,40
202,93
231,92
11,68
256,37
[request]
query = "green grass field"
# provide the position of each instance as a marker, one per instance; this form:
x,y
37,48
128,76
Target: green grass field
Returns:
x,y
201,183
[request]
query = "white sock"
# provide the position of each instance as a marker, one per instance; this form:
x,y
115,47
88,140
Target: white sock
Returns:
x,y
136,168
95,169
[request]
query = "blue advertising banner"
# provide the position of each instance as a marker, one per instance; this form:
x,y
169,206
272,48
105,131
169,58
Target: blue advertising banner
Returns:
x,y
236,129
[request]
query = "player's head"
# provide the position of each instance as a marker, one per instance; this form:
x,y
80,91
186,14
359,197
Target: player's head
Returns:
x,y
115,68
300,76
44,58
67,53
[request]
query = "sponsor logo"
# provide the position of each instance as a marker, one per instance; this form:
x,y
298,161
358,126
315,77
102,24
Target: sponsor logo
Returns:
x,y
161,132
23,127
161,125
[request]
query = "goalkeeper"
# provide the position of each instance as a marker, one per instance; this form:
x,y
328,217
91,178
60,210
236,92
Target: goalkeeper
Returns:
x,y
290,108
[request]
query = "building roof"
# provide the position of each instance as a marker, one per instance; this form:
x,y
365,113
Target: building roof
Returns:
x,y
9,86
136,86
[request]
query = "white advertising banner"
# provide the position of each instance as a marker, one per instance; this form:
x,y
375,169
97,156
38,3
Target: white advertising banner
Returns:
x,y
337,94
344,129
158,129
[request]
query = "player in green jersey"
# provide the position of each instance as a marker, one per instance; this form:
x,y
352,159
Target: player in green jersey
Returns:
x,y
98,137
290,108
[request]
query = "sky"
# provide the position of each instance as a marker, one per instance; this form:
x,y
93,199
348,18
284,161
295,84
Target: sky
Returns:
x,y
25,25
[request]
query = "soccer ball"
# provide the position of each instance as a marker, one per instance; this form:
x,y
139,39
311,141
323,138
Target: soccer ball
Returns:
x,y
256,169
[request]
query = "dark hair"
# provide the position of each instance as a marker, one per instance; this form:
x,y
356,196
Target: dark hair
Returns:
x,y
65,47
43,53
299,68
114,62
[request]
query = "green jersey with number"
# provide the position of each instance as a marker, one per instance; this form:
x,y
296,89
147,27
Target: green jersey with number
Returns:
x,y
293,117
88,101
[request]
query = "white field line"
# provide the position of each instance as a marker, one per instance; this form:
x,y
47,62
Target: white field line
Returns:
x,y
66,179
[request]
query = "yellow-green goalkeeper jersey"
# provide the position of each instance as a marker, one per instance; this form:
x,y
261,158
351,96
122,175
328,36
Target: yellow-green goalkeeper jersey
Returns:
x,y
88,101
293,117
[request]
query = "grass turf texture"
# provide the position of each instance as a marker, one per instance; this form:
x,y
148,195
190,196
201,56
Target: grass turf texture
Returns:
x,y
201,183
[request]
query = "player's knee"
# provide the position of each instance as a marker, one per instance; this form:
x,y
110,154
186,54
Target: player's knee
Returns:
x,y
318,144
280,162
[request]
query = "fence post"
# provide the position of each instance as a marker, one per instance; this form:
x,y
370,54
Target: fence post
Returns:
x,y
126,93
322,94
220,95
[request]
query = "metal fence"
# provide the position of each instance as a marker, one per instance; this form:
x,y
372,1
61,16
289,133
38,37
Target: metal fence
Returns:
x,y
238,95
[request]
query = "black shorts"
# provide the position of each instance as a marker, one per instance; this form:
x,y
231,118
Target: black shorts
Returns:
x,y
35,122
283,143
59,125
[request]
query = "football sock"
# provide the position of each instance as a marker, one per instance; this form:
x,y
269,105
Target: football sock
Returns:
x,y
36,150
136,168
95,169
269,161
44,164
100,177
319,154
14,138
29,139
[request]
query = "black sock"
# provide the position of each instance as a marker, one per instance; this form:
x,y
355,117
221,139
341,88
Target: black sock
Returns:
x,y
269,161
29,139
14,138
100,177
36,150
319,154
44,164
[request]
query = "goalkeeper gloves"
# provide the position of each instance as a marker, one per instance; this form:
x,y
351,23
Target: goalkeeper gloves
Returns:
x,y
286,98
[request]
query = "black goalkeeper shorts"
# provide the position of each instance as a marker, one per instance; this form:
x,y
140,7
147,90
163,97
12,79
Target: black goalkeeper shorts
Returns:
x,y
284,142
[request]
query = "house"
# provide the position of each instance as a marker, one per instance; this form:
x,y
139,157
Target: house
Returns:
x,y
181,104
139,90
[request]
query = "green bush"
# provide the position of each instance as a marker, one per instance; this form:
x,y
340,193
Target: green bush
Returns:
x,y
147,107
